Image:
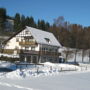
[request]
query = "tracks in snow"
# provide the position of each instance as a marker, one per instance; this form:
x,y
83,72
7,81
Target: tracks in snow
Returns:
x,y
15,86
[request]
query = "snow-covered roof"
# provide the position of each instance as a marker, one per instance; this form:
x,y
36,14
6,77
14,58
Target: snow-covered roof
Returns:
x,y
43,37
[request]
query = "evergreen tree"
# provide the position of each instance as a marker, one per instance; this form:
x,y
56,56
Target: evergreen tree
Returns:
x,y
2,19
27,21
38,24
41,24
17,22
23,24
47,26
32,22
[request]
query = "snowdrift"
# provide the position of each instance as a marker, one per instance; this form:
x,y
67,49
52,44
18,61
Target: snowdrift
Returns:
x,y
45,69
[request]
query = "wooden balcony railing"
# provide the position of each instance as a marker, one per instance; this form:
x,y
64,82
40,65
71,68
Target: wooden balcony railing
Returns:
x,y
41,53
49,53
30,52
27,43
10,51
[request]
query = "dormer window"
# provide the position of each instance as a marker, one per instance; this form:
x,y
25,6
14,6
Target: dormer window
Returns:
x,y
26,32
47,40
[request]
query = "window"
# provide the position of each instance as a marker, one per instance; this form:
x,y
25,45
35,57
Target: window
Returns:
x,y
47,40
34,58
46,49
21,40
33,48
26,32
30,37
50,49
16,47
26,48
42,48
56,50
17,39
27,40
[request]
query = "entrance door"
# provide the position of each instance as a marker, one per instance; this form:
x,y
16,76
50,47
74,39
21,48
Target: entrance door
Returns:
x,y
34,59
29,59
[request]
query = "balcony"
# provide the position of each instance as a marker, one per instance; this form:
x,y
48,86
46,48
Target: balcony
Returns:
x,y
27,43
40,53
29,52
54,54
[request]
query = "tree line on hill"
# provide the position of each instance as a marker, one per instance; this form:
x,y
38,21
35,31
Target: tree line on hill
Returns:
x,y
69,35
20,21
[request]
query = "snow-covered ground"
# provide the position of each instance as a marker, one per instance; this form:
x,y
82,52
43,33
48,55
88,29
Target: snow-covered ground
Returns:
x,y
48,76
71,81
44,69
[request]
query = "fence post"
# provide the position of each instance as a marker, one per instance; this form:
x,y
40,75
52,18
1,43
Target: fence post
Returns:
x,y
86,67
37,70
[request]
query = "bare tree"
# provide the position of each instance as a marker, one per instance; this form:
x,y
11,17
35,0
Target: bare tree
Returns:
x,y
59,21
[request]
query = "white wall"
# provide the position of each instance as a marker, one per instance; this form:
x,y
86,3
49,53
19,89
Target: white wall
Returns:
x,y
12,44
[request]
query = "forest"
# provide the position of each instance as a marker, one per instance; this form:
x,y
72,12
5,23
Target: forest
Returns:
x,y
68,34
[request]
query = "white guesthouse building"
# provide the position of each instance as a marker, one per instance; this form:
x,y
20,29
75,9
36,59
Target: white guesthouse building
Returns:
x,y
33,45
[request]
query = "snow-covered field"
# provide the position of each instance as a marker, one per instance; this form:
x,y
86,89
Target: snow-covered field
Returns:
x,y
45,69
48,76
70,81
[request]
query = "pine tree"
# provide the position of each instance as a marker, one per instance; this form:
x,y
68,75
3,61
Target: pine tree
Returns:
x,y
41,24
47,26
23,24
38,24
32,22
2,19
17,22
27,21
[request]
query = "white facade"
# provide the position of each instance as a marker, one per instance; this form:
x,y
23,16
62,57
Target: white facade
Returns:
x,y
38,43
